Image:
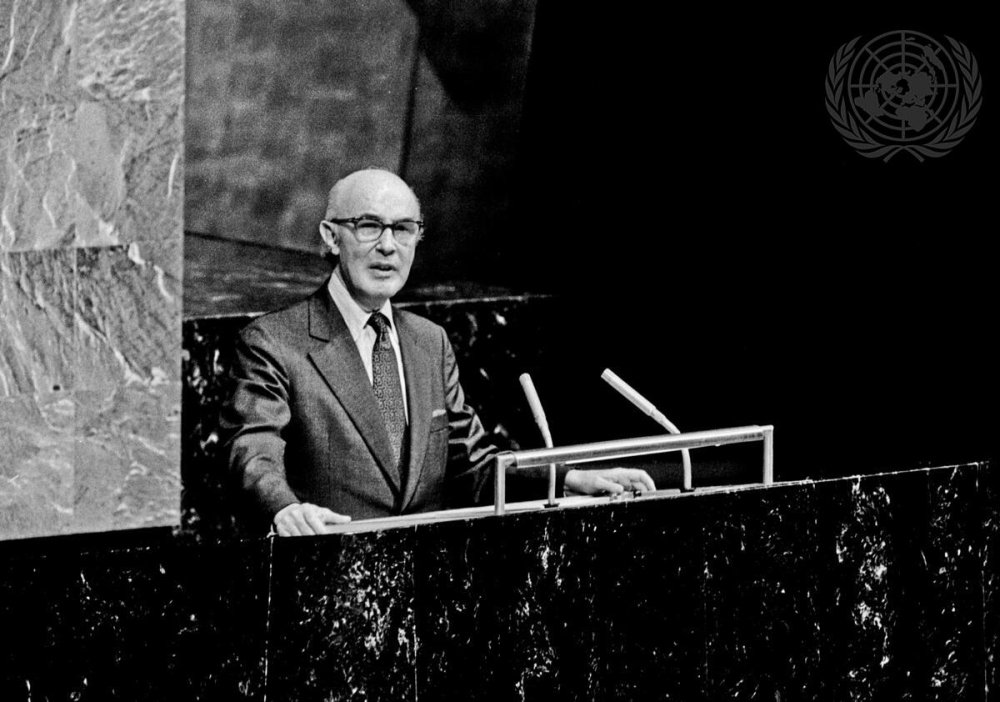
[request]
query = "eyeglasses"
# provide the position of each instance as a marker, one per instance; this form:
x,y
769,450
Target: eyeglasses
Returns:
x,y
369,229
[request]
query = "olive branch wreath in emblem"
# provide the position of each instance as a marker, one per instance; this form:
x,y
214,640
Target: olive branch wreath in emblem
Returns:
x,y
942,143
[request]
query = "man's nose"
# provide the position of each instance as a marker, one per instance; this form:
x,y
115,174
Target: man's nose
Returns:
x,y
387,241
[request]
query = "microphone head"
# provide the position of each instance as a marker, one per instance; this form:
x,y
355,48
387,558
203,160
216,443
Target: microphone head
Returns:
x,y
536,407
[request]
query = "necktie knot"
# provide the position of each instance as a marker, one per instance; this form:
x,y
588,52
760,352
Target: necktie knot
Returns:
x,y
381,325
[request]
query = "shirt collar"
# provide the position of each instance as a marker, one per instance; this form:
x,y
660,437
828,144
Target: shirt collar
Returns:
x,y
355,316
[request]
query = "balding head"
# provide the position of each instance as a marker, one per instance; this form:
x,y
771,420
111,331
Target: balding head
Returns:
x,y
352,194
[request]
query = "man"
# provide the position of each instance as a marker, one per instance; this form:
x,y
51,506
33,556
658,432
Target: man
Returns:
x,y
345,407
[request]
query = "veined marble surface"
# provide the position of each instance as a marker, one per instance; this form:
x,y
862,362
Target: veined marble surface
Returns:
x,y
91,198
91,99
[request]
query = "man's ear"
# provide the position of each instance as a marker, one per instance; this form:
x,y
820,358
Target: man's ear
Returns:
x,y
329,237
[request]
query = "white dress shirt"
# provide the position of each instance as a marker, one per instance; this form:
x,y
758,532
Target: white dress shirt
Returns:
x,y
363,333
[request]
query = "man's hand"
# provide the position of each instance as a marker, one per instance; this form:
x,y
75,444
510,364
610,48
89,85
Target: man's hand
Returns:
x,y
304,519
607,480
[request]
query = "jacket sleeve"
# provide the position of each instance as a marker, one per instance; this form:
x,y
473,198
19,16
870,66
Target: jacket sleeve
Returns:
x,y
253,420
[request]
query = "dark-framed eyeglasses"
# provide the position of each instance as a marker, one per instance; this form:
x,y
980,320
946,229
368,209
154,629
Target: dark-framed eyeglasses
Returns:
x,y
368,229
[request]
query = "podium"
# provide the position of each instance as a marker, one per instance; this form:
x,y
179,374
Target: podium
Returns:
x,y
875,587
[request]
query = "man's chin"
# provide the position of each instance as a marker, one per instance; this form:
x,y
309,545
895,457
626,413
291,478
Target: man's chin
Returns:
x,y
383,289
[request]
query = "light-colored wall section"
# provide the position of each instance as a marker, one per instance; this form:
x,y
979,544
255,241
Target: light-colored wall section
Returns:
x,y
91,236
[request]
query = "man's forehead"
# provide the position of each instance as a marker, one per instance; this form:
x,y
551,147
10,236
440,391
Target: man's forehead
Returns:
x,y
369,191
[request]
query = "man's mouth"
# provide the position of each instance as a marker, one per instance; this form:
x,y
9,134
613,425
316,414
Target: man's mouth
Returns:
x,y
383,267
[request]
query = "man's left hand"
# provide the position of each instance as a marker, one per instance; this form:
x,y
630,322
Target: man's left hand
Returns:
x,y
608,480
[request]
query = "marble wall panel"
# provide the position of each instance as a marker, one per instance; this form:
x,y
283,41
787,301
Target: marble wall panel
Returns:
x,y
36,464
91,198
91,94
128,425
127,472
128,51
37,306
129,172
128,315
37,112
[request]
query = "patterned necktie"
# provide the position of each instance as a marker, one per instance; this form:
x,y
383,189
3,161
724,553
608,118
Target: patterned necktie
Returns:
x,y
385,383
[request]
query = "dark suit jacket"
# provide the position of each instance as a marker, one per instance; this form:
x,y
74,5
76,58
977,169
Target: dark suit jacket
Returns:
x,y
303,425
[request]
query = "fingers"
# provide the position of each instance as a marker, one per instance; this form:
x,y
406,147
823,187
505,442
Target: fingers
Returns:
x,y
331,517
644,481
314,520
608,480
633,479
286,525
602,484
306,520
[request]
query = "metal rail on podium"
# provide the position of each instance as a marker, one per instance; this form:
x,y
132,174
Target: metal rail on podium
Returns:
x,y
630,448
571,455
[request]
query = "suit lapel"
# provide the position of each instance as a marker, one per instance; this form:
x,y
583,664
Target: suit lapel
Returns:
x,y
340,365
417,368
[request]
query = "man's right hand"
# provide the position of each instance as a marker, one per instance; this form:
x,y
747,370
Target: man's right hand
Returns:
x,y
304,519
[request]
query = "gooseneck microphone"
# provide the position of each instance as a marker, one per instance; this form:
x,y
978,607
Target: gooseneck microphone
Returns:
x,y
543,426
649,409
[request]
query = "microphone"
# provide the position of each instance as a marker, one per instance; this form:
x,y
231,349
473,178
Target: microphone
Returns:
x,y
649,409
543,426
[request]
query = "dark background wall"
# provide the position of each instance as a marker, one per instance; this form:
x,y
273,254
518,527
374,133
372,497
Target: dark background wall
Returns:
x,y
284,98
672,177
682,183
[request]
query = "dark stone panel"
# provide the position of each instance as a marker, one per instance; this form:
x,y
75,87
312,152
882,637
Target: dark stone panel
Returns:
x,y
653,591
149,617
989,490
509,609
906,617
208,498
953,627
874,608
874,588
765,562
341,619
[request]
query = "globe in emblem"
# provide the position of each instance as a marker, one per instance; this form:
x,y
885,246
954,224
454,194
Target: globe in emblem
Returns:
x,y
903,86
